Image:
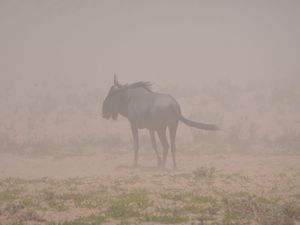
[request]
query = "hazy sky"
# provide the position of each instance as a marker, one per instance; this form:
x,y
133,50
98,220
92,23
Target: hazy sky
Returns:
x,y
148,40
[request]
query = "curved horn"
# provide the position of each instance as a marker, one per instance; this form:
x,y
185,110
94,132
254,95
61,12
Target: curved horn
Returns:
x,y
116,82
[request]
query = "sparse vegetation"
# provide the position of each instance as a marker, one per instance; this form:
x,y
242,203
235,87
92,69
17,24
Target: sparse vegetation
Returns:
x,y
166,219
132,201
129,204
9,194
89,220
204,172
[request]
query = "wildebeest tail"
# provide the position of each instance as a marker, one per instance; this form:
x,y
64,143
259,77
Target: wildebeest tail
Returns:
x,y
198,125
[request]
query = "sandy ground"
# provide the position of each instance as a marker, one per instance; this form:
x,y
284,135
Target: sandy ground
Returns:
x,y
120,163
105,184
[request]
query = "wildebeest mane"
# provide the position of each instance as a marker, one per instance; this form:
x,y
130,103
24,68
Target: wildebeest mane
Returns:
x,y
143,84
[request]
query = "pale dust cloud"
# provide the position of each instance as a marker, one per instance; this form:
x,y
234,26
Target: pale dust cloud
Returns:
x,y
230,63
235,64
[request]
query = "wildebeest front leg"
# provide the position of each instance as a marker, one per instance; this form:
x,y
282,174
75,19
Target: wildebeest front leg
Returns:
x,y
163,139
135,135
153,142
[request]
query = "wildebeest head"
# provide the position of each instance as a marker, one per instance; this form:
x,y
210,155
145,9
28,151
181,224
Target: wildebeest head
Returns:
x,y
113,100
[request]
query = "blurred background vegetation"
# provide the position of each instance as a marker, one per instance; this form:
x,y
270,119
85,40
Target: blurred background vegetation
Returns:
x,y
253,116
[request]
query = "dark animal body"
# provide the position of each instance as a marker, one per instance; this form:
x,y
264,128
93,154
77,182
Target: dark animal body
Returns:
x,y
147,109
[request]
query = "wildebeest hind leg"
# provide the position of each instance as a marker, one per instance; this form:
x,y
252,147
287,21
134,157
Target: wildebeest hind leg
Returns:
x,y
153,142
163,139
172,131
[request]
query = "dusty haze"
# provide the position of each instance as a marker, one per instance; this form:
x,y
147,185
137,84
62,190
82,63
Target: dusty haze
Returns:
x,y
230,63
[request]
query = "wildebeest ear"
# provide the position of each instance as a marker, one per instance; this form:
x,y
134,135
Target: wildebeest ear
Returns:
x,y
116,82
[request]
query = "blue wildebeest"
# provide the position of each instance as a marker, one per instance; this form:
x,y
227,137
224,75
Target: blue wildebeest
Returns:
x,y
147,109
